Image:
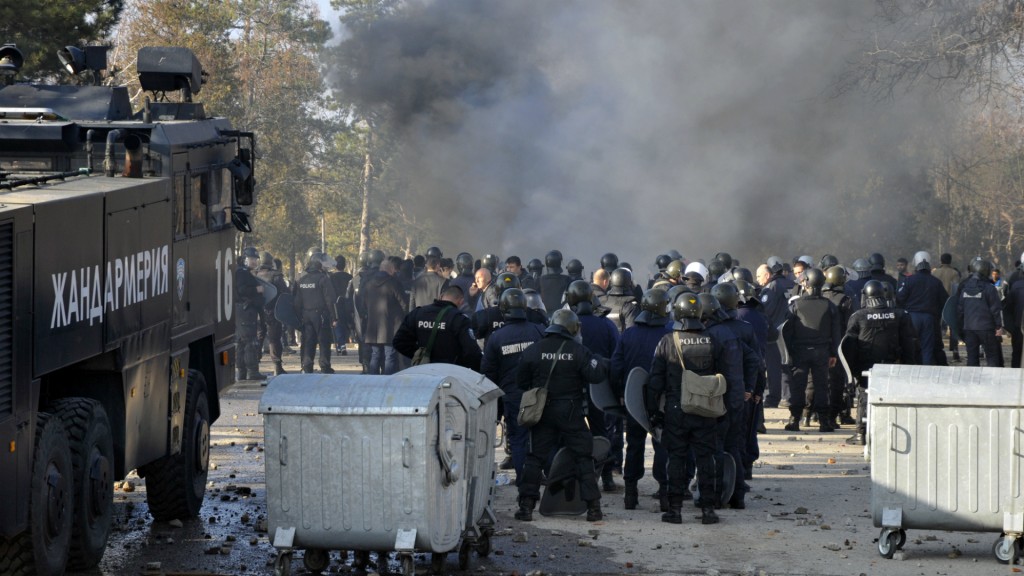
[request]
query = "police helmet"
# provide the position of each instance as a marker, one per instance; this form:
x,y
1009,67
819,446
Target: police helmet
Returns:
x,y
922,260
741,273
699,268
890,298
434,251
774,264
675,255
835,276
553,260
715,269
815,279
578,292
747,291
313,250
609,261
250,252
534,301
564,322
727,294
627,266
506,281
675,291
674,270
877,262
364,259
725,259
694,279
266,259
621,282
376,258
655,301
489,261
686,311
981,268
662,261
513,304
861,265
663,284
535,266
464,263
827,261
873,294
806,260
710,307
314,263
574,267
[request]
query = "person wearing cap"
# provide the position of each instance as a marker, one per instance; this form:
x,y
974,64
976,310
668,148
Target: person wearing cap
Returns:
x,y
950,277
923,296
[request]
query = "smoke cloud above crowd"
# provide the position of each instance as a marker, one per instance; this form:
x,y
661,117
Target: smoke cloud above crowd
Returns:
x,y
634,127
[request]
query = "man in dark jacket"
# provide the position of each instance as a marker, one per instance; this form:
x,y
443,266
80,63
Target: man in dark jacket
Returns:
x,y
840,399
635,350
340,279
427,286
565,366
775,286
269,273
385,309
501,360
621,300
553,283
314,304
248,303
354,297
442,322
924,296
979,313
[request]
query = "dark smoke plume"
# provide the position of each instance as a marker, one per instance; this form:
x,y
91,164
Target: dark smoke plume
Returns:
x,y
635,127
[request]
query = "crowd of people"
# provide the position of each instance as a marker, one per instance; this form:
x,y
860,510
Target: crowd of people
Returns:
x,y
790,334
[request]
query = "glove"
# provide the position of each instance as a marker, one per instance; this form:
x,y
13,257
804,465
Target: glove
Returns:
x,y
657,419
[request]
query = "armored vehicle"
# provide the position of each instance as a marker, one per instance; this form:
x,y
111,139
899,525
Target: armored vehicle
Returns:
x,y
117,249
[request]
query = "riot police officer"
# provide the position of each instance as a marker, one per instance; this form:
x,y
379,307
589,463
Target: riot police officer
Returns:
x,y
340,279
535,268
354,298
775,287
811,333
878,334
635,350
574,269
487,321
620,299
840,399
248,304
979,312
609,262
553,283
704,354
269,273
500,362
924,296
441,327
465,279
565,366
314,304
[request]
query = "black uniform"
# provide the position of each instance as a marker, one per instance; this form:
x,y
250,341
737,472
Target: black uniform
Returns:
x,y
704,354
248,304
563,422
273,327
340,280
812,335
354,296
883,335
775,305
552,288
454,342
979,312
924,296
623,308
839,396
314,304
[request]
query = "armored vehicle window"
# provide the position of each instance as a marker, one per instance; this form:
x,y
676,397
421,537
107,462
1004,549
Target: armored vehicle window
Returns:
x,y
220,188
15,164
179,206
197,208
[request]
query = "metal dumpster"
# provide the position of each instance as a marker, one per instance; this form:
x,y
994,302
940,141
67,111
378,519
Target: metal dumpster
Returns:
x,y
945,449
379,463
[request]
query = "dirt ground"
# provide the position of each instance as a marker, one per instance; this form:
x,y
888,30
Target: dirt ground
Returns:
x,y
808,513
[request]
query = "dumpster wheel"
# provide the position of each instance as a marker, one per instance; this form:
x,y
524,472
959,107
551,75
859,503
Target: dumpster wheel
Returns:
x,y
1007,549
316,560
408,567
437,560
283,564
483,546
888,542
464,555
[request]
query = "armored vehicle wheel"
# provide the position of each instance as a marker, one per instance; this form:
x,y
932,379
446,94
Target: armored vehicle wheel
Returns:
x,y
360,559
887,542
464,555
483,546
43,548
92,459
408,567
176,483
437,560
1007,549
283,564
316,560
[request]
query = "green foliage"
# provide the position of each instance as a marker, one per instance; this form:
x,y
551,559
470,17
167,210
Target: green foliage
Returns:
x,y
40,28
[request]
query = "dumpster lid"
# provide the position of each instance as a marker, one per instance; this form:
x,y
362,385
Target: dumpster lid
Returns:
x,y
353,394
891,384
479,387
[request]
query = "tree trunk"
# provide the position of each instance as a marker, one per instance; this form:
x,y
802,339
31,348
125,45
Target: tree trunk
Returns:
x,y
364,221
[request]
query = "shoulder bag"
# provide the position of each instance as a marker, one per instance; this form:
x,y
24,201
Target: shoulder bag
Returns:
x,y
700,395
531,407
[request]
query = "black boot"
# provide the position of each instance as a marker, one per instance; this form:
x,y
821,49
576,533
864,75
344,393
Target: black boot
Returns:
x,y
607,483
793,425
594,511
673,512
525,512
807,416
708,516
824,425
632,499
845,418
506,464
278,369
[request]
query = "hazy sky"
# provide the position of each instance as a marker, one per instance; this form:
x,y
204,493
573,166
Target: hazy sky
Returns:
x,y
633,127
